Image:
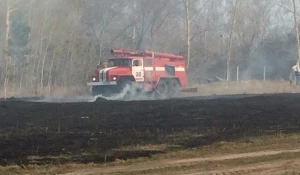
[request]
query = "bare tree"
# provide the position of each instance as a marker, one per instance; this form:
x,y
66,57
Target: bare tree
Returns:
x,y
230,39
9,8
188,30
44,58
68,38
297,31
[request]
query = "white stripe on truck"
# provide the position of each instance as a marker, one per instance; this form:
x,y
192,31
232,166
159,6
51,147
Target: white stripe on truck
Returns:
x,y
180,69
148,68
177,69
160,68
105,71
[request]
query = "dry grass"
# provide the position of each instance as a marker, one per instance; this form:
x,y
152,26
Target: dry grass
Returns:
x,y
220,88
43,170
245,87
57,91
230,166
245,145
292,173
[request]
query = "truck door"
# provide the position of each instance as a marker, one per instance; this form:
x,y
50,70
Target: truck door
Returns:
x,y
138,70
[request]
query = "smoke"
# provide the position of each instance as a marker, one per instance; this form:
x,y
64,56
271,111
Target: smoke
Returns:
x,y
65,100
132,93
129,93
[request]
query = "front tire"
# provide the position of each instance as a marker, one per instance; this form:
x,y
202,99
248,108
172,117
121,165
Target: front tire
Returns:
x,y
127,89
105,91
96,90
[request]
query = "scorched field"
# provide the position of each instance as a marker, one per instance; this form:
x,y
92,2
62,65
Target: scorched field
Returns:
x,y
107,131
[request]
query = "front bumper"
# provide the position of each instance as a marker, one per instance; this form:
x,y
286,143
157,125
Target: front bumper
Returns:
x,y
101,83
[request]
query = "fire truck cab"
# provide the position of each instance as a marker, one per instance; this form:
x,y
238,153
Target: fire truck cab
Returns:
x,y
160,73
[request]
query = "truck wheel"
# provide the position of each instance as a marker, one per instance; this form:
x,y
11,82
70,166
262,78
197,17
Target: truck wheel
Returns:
x,y
162,89
105,91
174,88
96,90
122,85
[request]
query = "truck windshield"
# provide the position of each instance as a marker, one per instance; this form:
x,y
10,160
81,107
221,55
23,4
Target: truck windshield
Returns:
x,y
119,62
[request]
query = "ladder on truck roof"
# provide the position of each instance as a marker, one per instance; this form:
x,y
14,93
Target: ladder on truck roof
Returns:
x,y
146,53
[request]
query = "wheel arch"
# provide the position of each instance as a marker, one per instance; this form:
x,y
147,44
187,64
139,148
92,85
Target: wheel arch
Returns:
x,y
126,78
169,79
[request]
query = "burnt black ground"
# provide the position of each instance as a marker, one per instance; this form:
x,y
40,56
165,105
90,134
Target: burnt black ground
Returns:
x,y
88,132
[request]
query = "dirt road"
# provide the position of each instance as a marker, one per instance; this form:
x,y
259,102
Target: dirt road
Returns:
x,y
171,166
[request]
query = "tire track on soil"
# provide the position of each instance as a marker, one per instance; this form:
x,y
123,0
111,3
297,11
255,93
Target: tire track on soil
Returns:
x,y
270,168
152,166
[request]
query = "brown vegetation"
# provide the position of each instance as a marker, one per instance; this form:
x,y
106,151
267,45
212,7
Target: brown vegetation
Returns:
x,y
46,45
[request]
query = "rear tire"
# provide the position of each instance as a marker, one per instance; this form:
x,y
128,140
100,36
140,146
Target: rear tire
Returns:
x,y
161,90
174,88
167,89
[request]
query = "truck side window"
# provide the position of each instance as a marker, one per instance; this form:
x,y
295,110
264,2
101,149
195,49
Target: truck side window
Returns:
x,y
137,63
170,70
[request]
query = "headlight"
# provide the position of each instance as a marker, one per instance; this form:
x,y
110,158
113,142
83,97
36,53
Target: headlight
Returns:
x,y
114,78
94,79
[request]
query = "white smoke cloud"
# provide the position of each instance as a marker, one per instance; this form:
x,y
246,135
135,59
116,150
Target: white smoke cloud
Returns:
x,y
129,93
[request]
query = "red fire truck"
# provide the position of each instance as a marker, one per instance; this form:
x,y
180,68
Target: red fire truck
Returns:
x,y
159,73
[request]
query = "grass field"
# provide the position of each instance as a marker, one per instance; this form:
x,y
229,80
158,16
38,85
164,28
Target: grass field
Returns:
x,y
218,88
244,87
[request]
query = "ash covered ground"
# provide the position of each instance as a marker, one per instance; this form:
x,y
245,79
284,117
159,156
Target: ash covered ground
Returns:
x,y
76,131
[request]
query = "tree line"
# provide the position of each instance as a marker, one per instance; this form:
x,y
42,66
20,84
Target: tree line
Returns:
x,y
50,46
